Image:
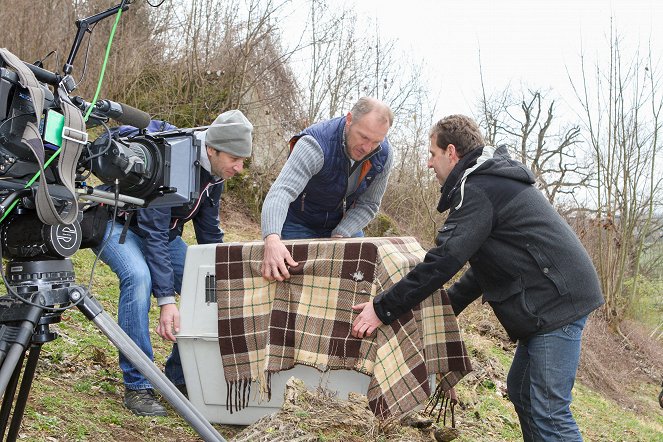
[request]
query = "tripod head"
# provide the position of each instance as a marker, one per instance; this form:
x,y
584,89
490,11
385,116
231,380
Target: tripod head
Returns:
x,y
47,285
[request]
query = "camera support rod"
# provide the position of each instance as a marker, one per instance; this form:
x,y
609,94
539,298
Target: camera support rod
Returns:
x,y
83,26
102,196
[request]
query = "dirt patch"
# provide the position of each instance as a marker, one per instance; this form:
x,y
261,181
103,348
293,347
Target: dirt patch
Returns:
x,y
237,221
617,363
625,365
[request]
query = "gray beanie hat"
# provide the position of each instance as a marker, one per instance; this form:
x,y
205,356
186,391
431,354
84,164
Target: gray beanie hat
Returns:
x,y
230,133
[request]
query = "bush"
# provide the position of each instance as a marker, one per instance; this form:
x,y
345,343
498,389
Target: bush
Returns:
x,y
382,225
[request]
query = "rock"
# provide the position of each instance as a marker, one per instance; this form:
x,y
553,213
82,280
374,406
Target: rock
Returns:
x,y
416,420
445,434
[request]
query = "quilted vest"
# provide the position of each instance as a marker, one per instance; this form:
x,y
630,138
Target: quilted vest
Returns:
x,y
321,204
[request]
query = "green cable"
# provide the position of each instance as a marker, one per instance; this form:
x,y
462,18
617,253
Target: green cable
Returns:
x,y
29,183
87,114
103,67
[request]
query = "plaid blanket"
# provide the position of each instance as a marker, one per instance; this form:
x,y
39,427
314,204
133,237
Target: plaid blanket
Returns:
x,y
266,327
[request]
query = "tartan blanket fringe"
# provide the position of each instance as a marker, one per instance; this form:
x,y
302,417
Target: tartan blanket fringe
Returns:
x,y
267,327
238,393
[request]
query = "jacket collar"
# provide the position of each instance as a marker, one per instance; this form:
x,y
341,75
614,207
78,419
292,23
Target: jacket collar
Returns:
x,y
455,177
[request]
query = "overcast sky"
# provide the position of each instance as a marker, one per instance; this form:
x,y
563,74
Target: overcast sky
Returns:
x,y
532,42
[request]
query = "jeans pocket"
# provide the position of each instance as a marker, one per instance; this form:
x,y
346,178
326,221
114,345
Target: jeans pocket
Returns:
x,y
574,329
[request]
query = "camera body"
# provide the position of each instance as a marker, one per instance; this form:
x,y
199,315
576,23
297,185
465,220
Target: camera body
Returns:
x,y
16,110
158,166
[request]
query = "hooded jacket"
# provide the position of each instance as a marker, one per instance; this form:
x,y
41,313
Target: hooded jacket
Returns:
x,y
524,258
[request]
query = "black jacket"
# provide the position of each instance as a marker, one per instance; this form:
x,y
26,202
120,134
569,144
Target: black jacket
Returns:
x,y
524,258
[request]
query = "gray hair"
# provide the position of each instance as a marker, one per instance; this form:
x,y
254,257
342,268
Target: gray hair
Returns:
x,y
366,105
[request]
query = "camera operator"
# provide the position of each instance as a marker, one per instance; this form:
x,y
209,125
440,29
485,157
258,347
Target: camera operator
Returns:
x,y
151,259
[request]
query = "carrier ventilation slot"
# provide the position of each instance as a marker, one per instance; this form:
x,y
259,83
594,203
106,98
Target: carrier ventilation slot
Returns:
x,y
210,288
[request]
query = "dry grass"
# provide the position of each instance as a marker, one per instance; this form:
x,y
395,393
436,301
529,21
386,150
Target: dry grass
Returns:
x,y
312,416
237,220
618,363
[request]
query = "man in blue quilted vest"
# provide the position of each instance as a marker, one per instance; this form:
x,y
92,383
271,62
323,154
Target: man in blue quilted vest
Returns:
x,y
331,185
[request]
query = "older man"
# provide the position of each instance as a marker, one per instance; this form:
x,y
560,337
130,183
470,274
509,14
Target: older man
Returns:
x,y
331,185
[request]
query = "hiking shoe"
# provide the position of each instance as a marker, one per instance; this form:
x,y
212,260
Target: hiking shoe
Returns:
x,y
143,403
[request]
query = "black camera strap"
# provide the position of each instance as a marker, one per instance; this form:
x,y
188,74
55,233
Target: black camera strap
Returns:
x,y
74,137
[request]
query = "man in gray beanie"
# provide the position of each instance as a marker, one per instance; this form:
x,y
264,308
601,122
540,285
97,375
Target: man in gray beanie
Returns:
x,y
230,133
151,259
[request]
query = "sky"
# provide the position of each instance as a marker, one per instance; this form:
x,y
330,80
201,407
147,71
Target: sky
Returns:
x,y
519,42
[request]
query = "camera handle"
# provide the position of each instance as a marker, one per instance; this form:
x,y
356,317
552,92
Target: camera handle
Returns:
x,y
24,326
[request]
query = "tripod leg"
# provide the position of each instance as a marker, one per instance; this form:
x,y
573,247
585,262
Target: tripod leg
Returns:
x,y
14,355
93,311
10,369
8,398
26,384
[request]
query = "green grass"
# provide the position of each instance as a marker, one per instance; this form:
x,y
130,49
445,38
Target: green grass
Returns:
x,y
647,305
489,417
602,421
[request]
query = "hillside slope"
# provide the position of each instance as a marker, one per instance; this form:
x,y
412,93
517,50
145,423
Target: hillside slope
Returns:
x,y
77,394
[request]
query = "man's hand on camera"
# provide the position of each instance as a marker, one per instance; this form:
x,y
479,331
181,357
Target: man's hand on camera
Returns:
x,y
277,259
169,322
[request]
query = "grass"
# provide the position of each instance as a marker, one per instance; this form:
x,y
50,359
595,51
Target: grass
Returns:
x,y
487,416
77,393
600,421
647,306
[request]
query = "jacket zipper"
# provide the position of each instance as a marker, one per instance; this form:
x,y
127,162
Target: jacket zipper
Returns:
x,y
197,204
347,181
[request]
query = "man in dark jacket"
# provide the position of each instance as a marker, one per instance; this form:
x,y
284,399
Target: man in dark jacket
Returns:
x,y
151,259
525,260
331,185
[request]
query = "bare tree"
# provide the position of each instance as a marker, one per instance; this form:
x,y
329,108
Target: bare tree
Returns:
x,y
348,58
528,123
413,192
622,112
53,18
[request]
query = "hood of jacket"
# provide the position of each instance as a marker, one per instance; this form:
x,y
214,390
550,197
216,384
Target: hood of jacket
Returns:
x,y
486,160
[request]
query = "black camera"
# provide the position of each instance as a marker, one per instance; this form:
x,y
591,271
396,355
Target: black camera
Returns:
x,y
41,206
162,168
150,163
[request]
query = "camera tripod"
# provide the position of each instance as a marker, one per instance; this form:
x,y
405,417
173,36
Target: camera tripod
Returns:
x,y
49,286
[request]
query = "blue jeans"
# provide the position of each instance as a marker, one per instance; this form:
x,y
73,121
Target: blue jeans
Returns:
x,y
540,381
293,230
128,262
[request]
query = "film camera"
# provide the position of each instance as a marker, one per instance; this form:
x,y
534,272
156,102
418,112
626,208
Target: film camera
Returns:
x,y
42,204
137,158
